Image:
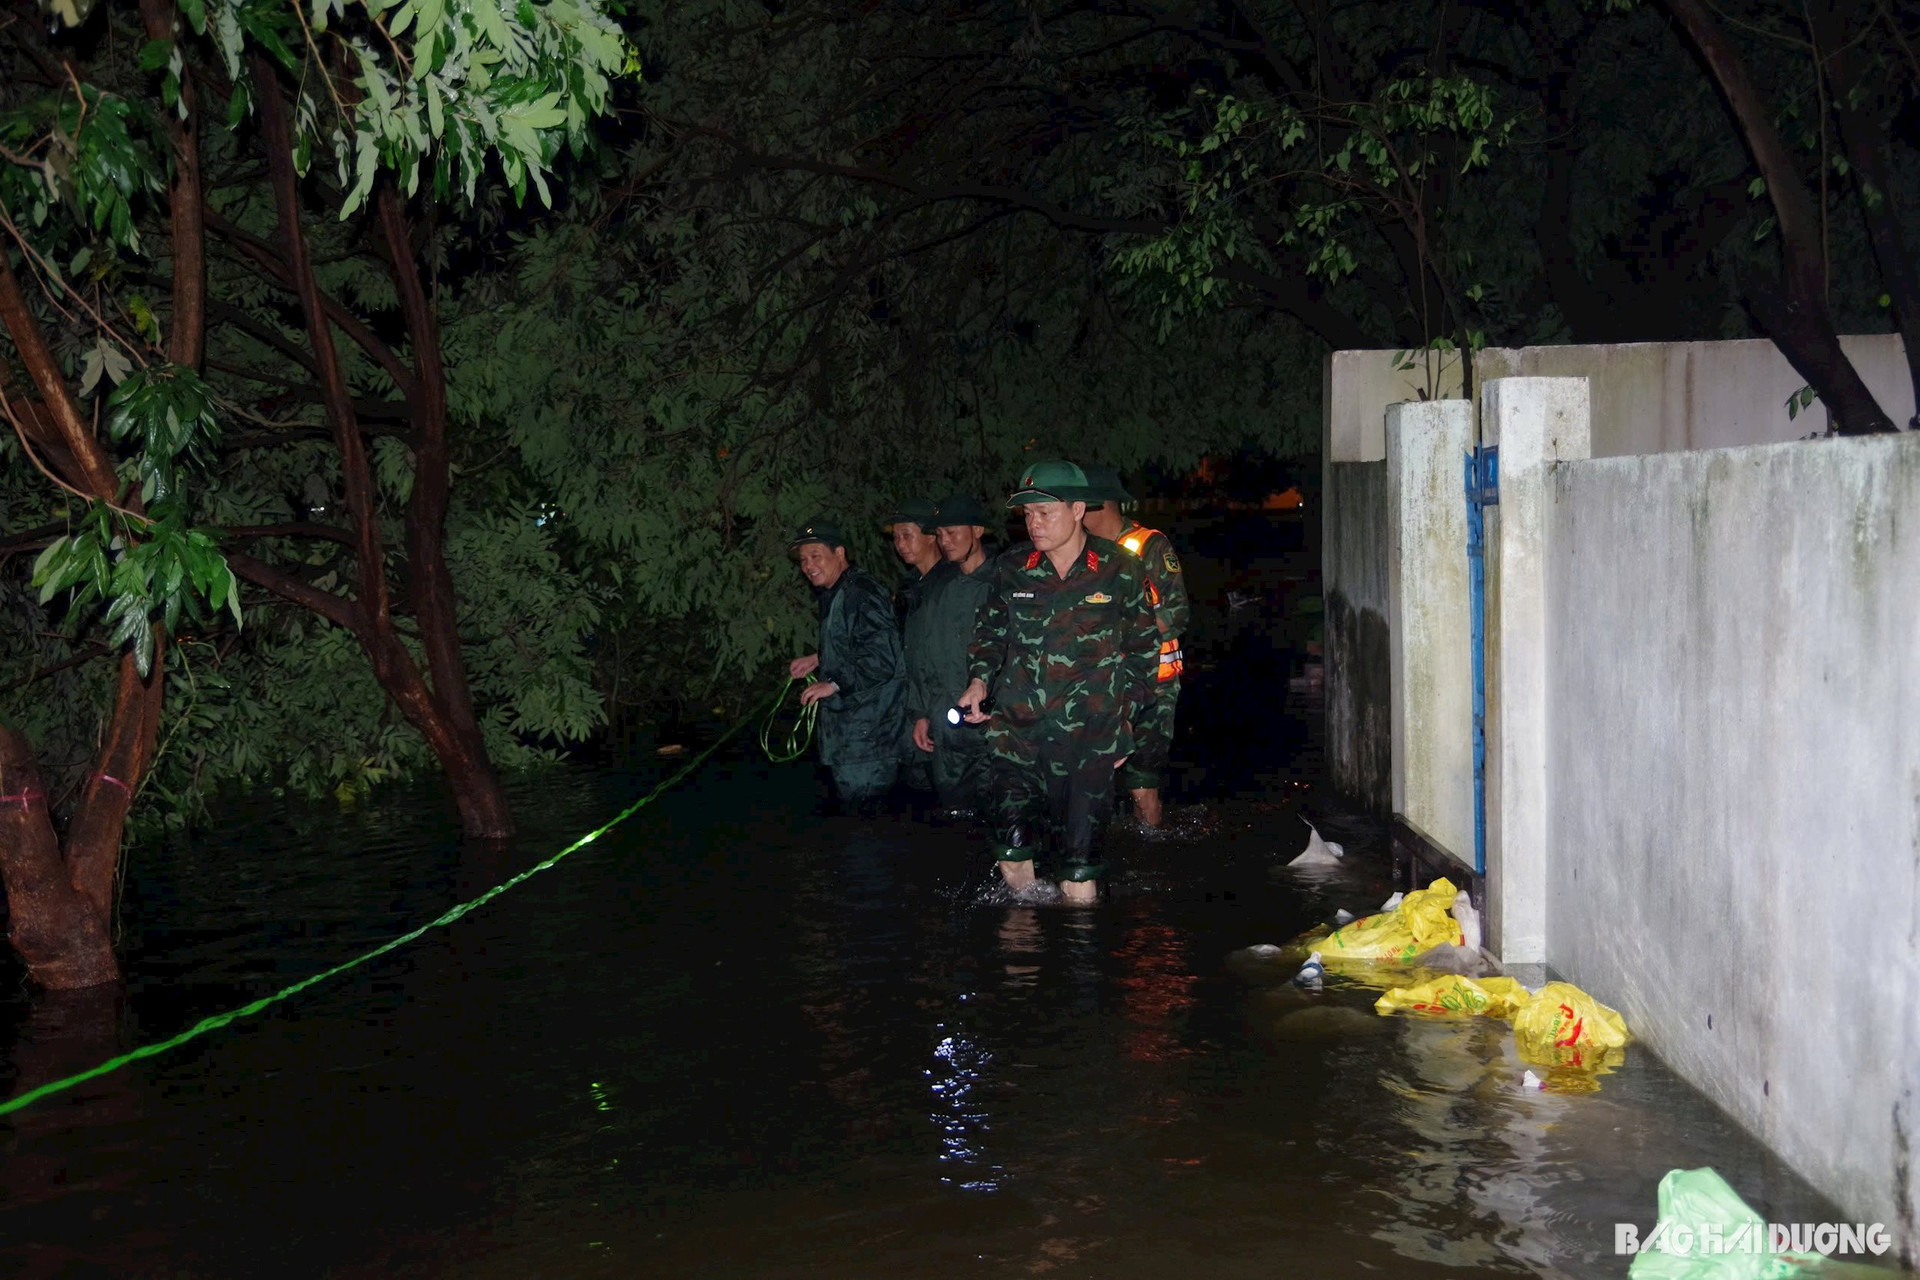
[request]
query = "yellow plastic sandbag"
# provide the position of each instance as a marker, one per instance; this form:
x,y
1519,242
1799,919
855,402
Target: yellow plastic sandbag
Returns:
x,y
1418,924
1452,995
1563,1026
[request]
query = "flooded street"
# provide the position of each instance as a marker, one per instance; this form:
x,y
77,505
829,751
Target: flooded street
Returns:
x,y
735,1038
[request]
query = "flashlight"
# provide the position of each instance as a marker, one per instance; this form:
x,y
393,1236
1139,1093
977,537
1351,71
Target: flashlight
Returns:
x,y
957,717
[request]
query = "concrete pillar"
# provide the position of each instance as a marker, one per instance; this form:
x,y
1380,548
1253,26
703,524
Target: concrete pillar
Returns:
x,y
1429,626
1536,422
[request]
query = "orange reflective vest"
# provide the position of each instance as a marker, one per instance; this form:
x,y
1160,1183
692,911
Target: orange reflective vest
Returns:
x,y
1172,661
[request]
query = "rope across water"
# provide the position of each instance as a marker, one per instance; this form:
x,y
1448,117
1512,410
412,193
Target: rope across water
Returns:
x,y
219,1020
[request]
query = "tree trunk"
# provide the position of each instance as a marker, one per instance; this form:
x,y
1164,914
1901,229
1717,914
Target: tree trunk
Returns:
x,y
435,607
1795,314
1862,133
476,790
186,340
93,837
62,938
63,906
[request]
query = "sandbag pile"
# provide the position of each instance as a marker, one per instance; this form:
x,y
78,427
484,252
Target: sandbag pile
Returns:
x,y
1558,1026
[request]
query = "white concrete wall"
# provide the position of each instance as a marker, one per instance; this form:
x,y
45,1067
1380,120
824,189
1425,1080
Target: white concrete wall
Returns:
x,y
1359,387
1733,742
1656,397
1429,624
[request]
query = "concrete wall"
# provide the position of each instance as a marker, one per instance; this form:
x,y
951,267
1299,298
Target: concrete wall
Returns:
x,y
1429,623
1354,586
1359,387
1656,397
1733,747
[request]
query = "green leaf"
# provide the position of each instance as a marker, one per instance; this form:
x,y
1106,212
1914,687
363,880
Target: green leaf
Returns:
x,y
143,647
46,559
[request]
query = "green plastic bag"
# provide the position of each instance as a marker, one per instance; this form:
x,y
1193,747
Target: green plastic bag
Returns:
x,y
1697,1207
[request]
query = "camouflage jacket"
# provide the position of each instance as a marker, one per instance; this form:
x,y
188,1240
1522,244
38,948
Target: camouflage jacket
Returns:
x,y
1166,585
860,652
1072,656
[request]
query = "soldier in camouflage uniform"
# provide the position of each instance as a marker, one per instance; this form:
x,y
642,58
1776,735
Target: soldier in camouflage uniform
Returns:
x,y
862,678
1145,771
1066,646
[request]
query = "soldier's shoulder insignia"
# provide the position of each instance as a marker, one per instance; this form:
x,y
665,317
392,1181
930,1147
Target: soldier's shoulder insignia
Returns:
x,y
1099,597
1171,561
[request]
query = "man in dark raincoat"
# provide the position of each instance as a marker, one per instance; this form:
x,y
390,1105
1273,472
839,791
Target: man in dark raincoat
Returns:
x,y
861,677
939,631
911,527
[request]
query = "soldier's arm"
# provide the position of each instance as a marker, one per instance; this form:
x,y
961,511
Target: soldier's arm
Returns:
x,y
988,652
1140,639
1163,570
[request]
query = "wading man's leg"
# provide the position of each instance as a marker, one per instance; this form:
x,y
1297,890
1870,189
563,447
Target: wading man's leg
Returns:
x,y
1080,795
863,784
1019,802
1145,772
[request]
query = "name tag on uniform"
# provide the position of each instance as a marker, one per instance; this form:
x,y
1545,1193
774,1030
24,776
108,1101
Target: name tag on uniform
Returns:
x,y
1023,595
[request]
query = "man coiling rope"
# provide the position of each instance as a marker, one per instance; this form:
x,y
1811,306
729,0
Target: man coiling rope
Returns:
x,y
799,734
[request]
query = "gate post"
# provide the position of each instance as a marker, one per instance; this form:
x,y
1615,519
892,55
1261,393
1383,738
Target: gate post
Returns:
x,y
1428,631
1535,422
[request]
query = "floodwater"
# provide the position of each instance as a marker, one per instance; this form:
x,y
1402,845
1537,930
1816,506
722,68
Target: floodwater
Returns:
x,y
736,1038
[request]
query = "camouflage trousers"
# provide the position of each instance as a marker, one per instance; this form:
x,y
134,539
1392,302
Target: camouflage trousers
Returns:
x,y
1146,768
1052,794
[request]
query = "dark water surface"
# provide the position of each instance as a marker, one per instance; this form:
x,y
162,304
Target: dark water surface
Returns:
x,y
735,1038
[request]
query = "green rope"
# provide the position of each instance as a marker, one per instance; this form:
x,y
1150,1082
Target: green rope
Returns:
x,y
218,1020
799,733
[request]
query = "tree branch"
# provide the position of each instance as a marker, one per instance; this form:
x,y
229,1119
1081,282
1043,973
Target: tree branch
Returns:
x,y
336,609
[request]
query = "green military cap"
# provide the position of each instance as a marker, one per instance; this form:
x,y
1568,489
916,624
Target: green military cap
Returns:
x,y
918,511
1051,482
959,509
1104,483
819,530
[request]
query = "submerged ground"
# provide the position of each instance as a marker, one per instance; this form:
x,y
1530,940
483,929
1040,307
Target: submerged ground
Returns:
x,y
736,1038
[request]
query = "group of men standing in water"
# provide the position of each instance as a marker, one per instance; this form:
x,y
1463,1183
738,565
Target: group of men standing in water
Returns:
x,y
1021,687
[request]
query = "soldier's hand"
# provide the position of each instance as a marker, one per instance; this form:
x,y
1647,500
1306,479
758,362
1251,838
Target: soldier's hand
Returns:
x,y
818,692
801,668
1122,760
923,734
976,693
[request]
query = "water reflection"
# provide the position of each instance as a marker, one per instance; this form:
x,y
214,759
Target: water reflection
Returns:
x,y
959,1111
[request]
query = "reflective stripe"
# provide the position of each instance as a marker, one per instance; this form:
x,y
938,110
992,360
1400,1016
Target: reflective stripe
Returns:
x,y
1172,661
